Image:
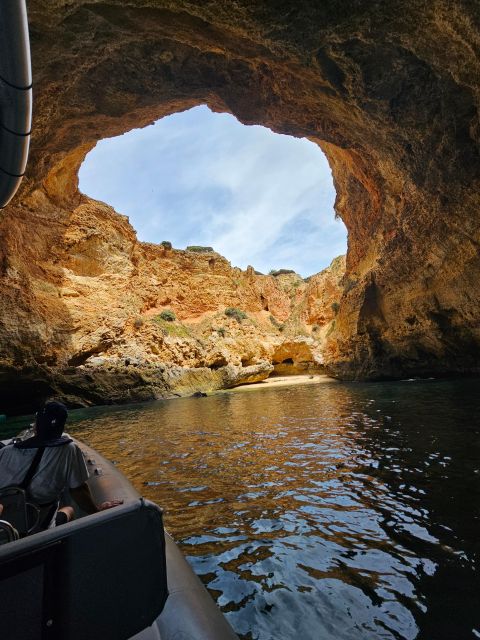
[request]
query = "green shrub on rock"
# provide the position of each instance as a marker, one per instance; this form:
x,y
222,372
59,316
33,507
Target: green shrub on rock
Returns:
x,y
233,312
280,272
168,315
171,328
199,249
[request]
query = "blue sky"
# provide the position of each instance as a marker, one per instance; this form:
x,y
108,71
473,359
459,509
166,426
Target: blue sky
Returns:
x,y
203,178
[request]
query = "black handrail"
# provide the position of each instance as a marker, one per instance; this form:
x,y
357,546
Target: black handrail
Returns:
x,y
10,531
15,97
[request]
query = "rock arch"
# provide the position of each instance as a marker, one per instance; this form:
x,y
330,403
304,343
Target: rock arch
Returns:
x,y
389,91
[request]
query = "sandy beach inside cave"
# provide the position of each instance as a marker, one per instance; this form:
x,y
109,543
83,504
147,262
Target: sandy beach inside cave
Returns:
x,y
285,381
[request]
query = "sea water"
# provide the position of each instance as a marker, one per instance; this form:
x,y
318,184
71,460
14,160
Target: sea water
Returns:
x,y
328,511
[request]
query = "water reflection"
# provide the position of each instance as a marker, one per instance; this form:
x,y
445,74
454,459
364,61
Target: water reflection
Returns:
x,y
322,511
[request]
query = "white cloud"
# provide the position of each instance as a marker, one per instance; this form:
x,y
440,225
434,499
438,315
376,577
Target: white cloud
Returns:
x,y
202,178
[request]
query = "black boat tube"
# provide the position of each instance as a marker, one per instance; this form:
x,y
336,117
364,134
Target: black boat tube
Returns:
x,y
190,613
15,96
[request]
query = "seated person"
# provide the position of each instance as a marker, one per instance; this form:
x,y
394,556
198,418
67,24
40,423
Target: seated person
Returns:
x,y
62,467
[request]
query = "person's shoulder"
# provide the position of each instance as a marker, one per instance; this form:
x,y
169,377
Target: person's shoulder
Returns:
x,y
66,450
74,450
71,446
8,448
9,453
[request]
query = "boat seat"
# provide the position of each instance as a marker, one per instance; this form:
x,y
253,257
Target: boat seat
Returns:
x,y
103,576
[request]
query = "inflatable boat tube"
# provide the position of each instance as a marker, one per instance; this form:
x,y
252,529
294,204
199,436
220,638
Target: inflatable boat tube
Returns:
x,y
190,613
115,574
15,96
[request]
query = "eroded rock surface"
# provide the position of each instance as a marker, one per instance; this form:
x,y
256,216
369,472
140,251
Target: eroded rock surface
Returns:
x,y
89,326
390,92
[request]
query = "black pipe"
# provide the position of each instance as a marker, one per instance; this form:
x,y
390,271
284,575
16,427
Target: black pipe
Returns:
x,y
15,96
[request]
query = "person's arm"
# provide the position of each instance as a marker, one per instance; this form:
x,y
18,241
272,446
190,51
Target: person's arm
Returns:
x,y
83,497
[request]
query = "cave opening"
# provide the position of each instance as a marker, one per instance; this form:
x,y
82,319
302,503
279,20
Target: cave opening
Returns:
x,y
198,178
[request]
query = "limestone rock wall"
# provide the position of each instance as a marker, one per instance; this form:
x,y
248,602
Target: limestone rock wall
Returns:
x,y
82,312
390,92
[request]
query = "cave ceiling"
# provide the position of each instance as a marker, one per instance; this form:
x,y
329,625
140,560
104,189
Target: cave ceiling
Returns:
x,y
390,92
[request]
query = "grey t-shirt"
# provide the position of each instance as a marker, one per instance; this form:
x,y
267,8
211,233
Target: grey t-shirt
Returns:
x,y
60,468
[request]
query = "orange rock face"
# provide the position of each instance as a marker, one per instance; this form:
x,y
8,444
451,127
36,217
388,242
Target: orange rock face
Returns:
x,y
89,325
389,91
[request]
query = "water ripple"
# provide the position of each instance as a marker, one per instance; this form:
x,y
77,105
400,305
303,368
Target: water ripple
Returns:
x,y
318,512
